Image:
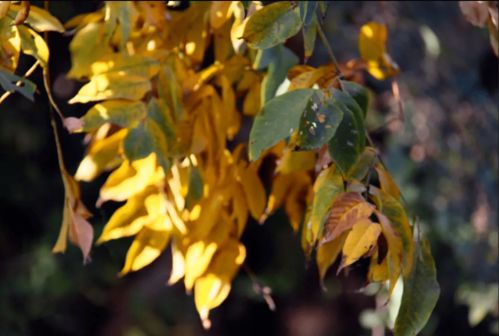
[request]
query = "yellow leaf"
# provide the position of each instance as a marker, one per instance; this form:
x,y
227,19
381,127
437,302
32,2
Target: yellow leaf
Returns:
x,y
214,287
86,48
4,8
134,65
222,44
372,41
113,85
280,186
146,247
83,20
360,240
103,154
252,101
309,78
131,178
240,209
393,259
298,196
388,185
378,272
34,45
295,161
347,209
127,220
399,223
253,190
229,104
237,29
40,19
197,259
10,47
219,13
328,253
178,264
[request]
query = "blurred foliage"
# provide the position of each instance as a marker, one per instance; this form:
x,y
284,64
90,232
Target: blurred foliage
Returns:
x,y
443,154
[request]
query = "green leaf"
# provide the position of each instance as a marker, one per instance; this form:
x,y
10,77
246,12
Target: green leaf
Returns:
x,y
318,123
327,186
323,7
393,210
277,120
307,11
359,93
195,191
158,111
349,140
365,161
145,139
281,60
8,83
309,36
421,292
39,19
272,25
123,113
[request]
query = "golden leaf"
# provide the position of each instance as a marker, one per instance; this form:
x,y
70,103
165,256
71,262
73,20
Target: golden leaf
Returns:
x,y
360,240
146,247
214,287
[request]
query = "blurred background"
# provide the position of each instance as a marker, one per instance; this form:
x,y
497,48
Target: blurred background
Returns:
x,y
443,153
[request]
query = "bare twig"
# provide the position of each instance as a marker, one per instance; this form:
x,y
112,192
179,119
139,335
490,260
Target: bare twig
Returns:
x,y
261,289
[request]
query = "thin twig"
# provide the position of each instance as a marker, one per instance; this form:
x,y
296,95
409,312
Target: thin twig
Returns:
x,y
20,82
329,50
261,289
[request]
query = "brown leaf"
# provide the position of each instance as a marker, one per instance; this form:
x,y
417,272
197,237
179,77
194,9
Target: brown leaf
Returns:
x,y
23,13
347,209
475,12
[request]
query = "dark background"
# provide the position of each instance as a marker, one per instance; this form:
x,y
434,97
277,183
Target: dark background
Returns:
x,y
444,157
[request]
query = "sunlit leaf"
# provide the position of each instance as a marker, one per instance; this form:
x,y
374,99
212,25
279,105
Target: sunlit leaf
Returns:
x,y
112,86
214,287
146,247
103,154
144,139
39,19
271,25
130,178
123,113
34,45
372,41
